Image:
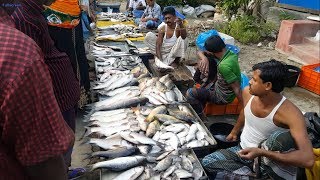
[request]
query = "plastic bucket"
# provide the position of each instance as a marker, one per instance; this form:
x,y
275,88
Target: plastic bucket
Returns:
x,y
220,131
292,76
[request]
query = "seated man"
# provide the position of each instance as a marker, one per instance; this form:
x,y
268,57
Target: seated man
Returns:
x,y
137,7
151,16
274,131
170,43
227,85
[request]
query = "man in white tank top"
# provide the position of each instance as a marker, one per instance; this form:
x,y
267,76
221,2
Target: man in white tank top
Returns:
x,y
170,43
274,131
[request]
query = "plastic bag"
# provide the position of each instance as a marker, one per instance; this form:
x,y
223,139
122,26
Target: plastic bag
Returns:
x,y
202,37
188,11
244,81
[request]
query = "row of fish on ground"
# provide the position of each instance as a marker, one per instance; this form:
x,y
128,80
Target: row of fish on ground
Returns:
x,y
117,32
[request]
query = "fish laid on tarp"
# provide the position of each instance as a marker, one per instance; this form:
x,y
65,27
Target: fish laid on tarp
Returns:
x,y
109,144
113,153
119,164
124,103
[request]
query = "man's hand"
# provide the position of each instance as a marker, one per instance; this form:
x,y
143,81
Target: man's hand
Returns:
x,y
250,153
204,65
231,137
178,21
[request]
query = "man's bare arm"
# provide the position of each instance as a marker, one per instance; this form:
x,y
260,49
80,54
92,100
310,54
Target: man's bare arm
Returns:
x,y
159,43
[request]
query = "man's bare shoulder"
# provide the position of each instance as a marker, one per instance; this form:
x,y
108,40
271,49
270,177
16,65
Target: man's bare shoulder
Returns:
x,y
288,114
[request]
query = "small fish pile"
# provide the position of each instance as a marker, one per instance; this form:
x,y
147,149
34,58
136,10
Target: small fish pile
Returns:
x,y
173,129
160,90
119,28
167,165
113,17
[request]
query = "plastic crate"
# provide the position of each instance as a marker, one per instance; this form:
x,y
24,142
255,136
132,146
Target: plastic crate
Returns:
x,y
214,109
309,78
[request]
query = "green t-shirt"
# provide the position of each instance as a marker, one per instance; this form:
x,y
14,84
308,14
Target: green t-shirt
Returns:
x,y
228,73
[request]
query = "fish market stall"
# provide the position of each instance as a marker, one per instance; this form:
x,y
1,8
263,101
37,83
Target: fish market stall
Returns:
x,y
141,123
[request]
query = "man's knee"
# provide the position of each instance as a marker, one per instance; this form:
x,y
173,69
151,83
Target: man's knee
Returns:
x,y
280,141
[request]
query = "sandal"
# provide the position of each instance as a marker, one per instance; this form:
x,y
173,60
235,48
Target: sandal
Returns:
x,y
76,172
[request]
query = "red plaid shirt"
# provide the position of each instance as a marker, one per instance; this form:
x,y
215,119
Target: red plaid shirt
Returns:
x,y
30,21
32,128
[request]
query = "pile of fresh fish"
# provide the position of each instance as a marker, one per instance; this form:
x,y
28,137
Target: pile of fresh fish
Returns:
x,y
160,90
167,165
179,129
113,17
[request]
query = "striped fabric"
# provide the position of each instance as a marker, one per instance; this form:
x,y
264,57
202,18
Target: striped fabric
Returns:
x,y
30,21
226,163
32,129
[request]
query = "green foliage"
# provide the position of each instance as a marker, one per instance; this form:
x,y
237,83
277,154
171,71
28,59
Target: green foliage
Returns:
x,y
247,29
231,7
286,16
164,3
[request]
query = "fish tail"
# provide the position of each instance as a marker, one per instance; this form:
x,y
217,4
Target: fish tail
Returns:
x,y
85,141
89,110
87,156
86,133
89,168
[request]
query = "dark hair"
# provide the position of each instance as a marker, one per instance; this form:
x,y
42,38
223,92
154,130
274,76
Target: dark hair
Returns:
x,y
214,44
169,10
272,71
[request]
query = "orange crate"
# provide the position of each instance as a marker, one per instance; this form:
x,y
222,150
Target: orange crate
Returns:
x,y
215,109
310,79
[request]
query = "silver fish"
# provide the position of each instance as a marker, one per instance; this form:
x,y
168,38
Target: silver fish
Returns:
x,y
152,128
143,139
169,171
192,132
186,164
131,102
181,173
163,155
130,174
158,110
113,153
109,144
178,94
164,164
144,149
119,164
197,173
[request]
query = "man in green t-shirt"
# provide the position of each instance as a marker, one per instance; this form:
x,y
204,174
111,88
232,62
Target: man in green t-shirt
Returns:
x,y
227,86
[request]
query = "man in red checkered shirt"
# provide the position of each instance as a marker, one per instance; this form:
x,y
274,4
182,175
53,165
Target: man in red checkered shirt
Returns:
x,y
33,134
